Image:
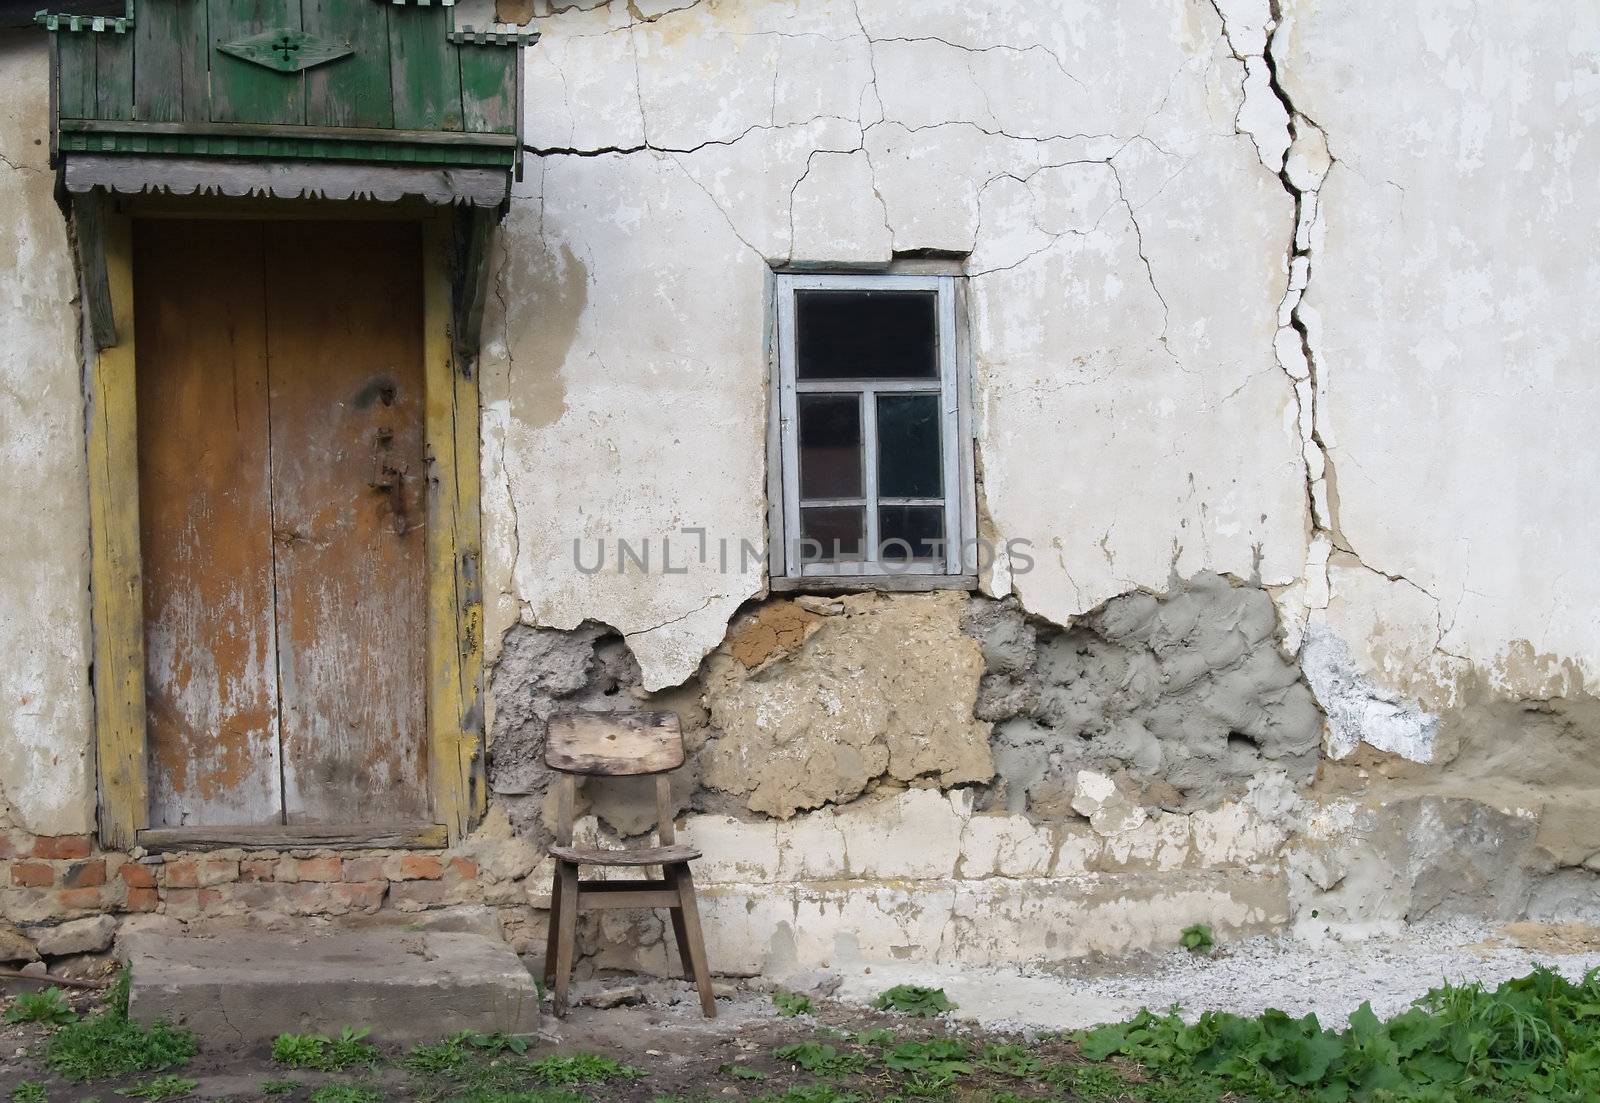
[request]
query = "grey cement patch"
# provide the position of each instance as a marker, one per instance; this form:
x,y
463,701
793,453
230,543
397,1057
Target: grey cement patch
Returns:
x,y
544,670
251,986
1246,978
1186,688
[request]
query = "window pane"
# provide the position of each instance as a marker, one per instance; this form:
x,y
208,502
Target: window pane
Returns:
x,y
837,529
830,446
921,527
866,335
908,446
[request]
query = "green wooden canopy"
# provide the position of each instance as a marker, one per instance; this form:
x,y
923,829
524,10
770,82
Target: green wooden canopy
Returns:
x,y
329,98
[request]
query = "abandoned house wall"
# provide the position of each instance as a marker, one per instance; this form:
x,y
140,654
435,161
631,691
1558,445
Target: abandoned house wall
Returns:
x,y
46,755
1278,340
1213,397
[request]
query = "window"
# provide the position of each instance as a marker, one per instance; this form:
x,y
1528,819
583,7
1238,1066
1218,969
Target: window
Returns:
x,y
869,429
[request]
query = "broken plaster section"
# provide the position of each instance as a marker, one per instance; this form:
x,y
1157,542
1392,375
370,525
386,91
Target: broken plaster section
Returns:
x,y
1179,700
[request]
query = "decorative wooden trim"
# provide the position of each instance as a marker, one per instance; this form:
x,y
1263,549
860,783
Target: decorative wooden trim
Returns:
x,y
298,180
455,588
116,574
332,836
100,24
471,36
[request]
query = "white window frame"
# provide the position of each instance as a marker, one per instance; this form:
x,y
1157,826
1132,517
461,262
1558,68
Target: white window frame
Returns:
x,y
957,566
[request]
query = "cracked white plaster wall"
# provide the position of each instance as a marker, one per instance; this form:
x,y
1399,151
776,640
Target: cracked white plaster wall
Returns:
x,y
1134,419
46,757
1451,311
625,380
1132,245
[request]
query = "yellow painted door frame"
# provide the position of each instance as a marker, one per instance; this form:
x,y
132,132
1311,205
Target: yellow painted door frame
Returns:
x,y
457,791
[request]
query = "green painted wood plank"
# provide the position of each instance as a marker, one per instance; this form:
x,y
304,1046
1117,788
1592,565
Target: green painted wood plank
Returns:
x,y
489,87
75,73
171,71
424,75
354,91
247,93
113,76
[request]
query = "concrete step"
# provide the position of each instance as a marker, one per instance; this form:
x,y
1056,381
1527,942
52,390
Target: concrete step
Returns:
x,y
408,986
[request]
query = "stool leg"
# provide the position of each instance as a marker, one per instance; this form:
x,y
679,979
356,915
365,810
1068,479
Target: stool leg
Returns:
x,y
690,914
554,927
680,931
566,936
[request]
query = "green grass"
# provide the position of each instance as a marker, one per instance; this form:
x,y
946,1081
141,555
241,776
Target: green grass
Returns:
x,y
1534,1038
821,1059
48,1007
109,1044
790,1004
909,999
581,1068
278,1087
1197,939
318,1051
812,1093
29,1091
346,1093
162,1087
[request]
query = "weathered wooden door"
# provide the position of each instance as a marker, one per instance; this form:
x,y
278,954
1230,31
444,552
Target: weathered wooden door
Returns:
x,y
282,506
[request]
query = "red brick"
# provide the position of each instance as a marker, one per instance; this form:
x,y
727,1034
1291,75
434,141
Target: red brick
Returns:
x,y
181,874
89,900
257,869
364,896
464,868
10,849
415,896
61,846
85,875
137,876
182,903
141,900
320,869
32,875
218,871
363,869
420,867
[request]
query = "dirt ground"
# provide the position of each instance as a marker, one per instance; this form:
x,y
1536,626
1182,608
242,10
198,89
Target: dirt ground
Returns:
x,y
675,1056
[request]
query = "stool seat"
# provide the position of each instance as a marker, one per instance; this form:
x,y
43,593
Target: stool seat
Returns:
x,y
640,856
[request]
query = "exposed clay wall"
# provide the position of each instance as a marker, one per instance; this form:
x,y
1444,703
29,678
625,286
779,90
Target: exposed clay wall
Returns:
x,y
46,757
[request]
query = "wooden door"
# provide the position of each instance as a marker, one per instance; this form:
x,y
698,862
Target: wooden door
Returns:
x,y
282,506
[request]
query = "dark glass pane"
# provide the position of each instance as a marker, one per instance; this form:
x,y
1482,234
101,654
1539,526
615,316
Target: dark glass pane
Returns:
x,y
866,335
919,526
830,446
908,446
837,529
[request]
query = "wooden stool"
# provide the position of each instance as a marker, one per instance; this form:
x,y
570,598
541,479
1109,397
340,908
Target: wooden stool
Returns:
x,y
619,744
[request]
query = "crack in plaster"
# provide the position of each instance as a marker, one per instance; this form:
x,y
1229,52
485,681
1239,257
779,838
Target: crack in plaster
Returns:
x,y
1302,168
